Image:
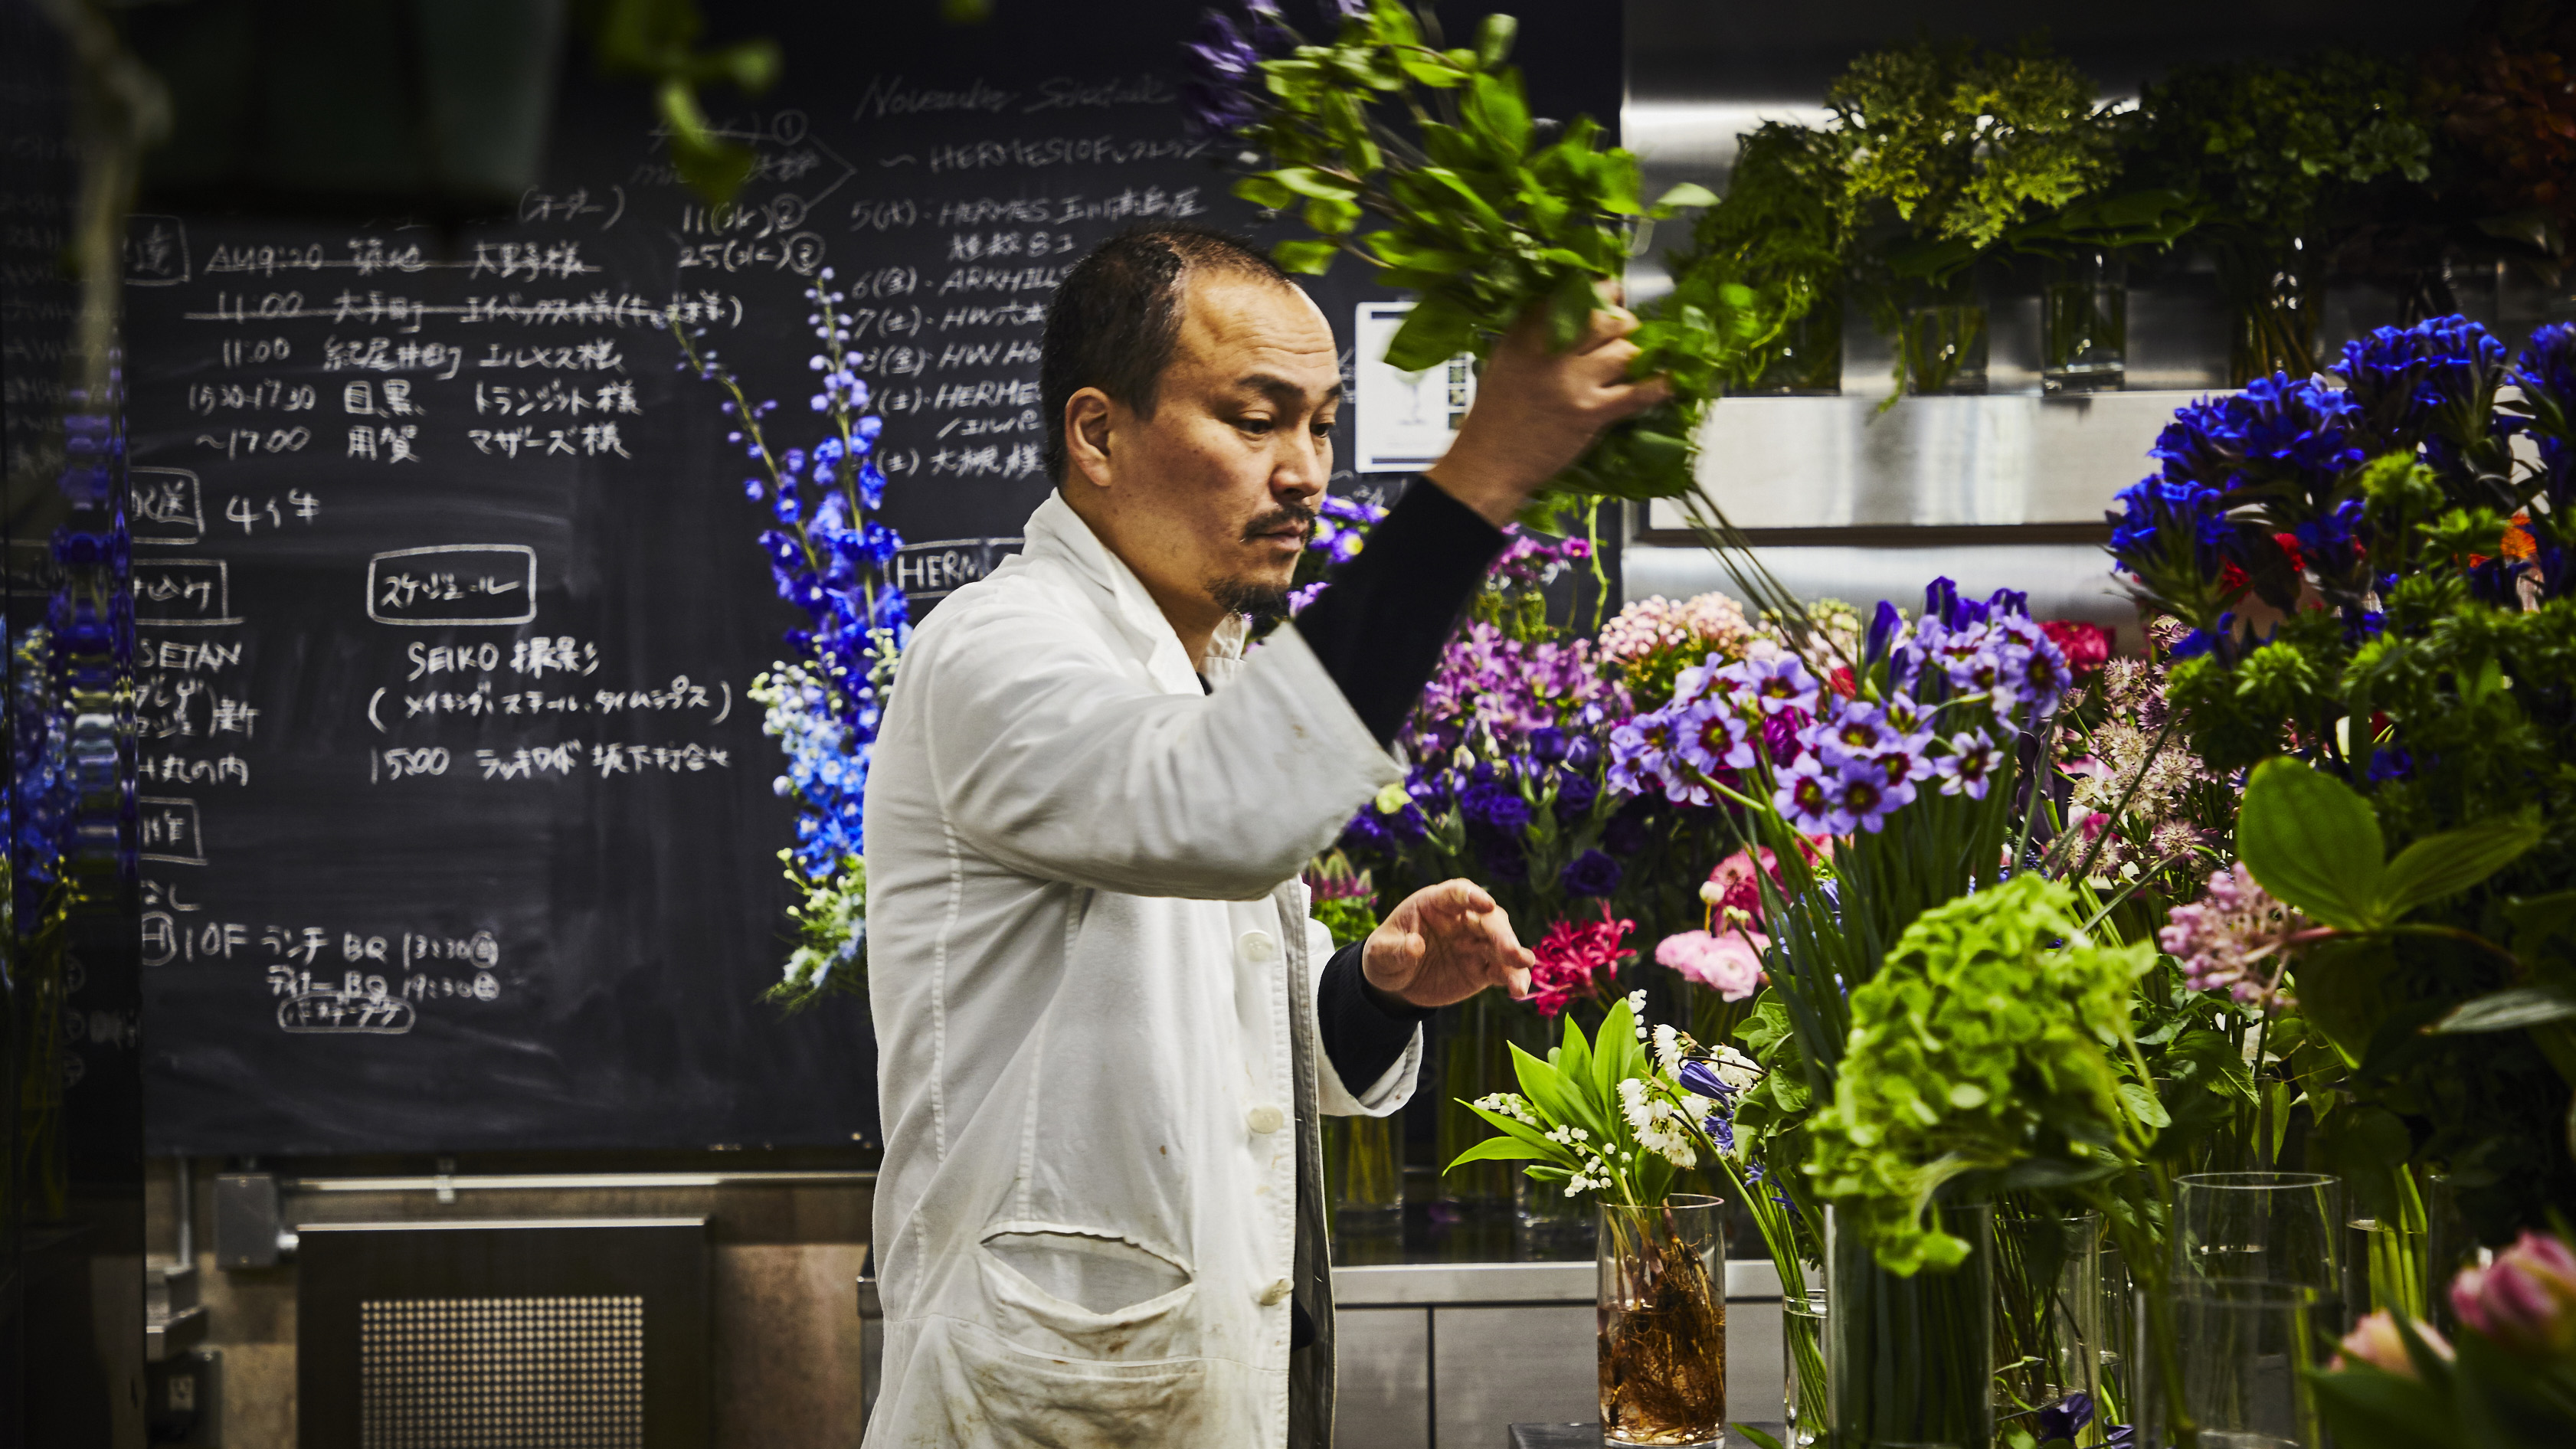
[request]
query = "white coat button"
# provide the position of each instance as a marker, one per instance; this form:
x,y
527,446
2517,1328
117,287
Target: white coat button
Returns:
x,y
1257,946
1276,1293
1265,1118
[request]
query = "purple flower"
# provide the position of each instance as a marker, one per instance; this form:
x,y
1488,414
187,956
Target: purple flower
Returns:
x,y
2065,1419
1546,744
1711,737
1590,874
1496,806
1862,798
1852,730
1781,683
1640,753
1574,794
1969,768
1807,795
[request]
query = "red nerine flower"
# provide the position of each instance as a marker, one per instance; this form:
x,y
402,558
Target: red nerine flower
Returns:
x,y
1575,961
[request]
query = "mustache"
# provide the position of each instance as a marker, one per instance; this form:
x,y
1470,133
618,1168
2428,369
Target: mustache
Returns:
x,y
1281,517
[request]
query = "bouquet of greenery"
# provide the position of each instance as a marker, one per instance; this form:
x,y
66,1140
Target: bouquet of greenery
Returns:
x,y
1486,211
2268,151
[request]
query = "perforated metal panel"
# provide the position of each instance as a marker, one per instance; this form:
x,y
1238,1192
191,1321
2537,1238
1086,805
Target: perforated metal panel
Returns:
x,y
501,1373
587,1333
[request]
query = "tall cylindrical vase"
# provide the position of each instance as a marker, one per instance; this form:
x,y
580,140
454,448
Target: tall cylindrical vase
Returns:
x,y
1909,1361
1805,1407
1945,348
1364,1172
1548,1226
1474,1060
2048,1323
1662,1322
2084,326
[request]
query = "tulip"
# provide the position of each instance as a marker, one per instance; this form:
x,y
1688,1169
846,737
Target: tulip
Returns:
x,y
2526,1300
2376,1342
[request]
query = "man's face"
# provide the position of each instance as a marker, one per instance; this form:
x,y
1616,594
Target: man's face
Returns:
x,y
1211,499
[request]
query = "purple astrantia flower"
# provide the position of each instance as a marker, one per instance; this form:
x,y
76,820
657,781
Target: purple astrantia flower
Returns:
x,y
1590,874
1807,796
1969,768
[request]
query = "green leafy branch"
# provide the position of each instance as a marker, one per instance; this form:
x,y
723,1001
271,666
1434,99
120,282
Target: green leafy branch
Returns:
x,y
656,40
1488,214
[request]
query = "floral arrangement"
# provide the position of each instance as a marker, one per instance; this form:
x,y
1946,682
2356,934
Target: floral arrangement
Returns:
x,y
2409,568
829,555
2509,1382
1486,213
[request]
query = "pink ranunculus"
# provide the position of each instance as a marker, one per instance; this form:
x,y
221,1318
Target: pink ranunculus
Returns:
x,y
2376,1342
1737,888
2526,1300
1728,963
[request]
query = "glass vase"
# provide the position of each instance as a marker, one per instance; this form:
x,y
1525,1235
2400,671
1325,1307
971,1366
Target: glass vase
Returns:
x,y
2271,299
1909,1361
2117,1312
2048,1319
1662,1322
2261,1227
2241,1353
1808,354
1474,1061
1364,1172
1804,1404
1547,1226
1945,349
2084,326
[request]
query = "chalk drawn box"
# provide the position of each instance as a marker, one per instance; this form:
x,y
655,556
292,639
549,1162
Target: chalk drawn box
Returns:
x,y
451,584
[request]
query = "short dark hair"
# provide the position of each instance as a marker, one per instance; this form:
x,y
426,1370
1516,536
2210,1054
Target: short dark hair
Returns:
x,y
1116,318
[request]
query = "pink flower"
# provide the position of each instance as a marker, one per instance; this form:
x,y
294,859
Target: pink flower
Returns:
x,y
2376,1342
2233,938
2087,647
1737,889
1728,962
1576,961
2525,1301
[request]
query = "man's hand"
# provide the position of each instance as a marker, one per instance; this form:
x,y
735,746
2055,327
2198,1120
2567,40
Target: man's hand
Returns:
x,y
1444,944
1537,410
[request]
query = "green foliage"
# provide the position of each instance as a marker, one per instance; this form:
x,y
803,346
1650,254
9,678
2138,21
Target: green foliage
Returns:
x,y
1567,1120
831,917
1488,215
1989,1051
656,40
1961,143
2266,144
1350,919
1777,239
2314,844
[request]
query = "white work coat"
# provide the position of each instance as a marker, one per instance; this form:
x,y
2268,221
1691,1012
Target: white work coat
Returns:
x,y
1093,975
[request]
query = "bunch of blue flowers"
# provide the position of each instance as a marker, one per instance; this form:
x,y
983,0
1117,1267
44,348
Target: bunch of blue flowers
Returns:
x,y
831,556
2288,490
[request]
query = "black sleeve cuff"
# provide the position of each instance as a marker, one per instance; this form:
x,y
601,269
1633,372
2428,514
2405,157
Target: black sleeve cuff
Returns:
x,y
1364,1031
1379,629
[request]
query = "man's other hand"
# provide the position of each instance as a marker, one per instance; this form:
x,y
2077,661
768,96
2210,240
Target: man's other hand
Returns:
x,y
1536,410
1444,944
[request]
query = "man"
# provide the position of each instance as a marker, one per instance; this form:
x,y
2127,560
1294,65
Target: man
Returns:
x,y
1106,1021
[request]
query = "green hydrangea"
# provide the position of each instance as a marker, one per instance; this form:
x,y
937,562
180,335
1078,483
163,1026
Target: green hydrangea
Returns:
x,y
1987,1048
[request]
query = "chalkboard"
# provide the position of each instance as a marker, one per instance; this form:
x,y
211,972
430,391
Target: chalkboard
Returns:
x,y
458,831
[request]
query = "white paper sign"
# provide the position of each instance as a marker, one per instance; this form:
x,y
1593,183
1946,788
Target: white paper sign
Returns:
x,y
1406,419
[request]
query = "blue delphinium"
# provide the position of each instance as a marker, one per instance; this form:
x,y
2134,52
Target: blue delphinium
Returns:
x,y
832,557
